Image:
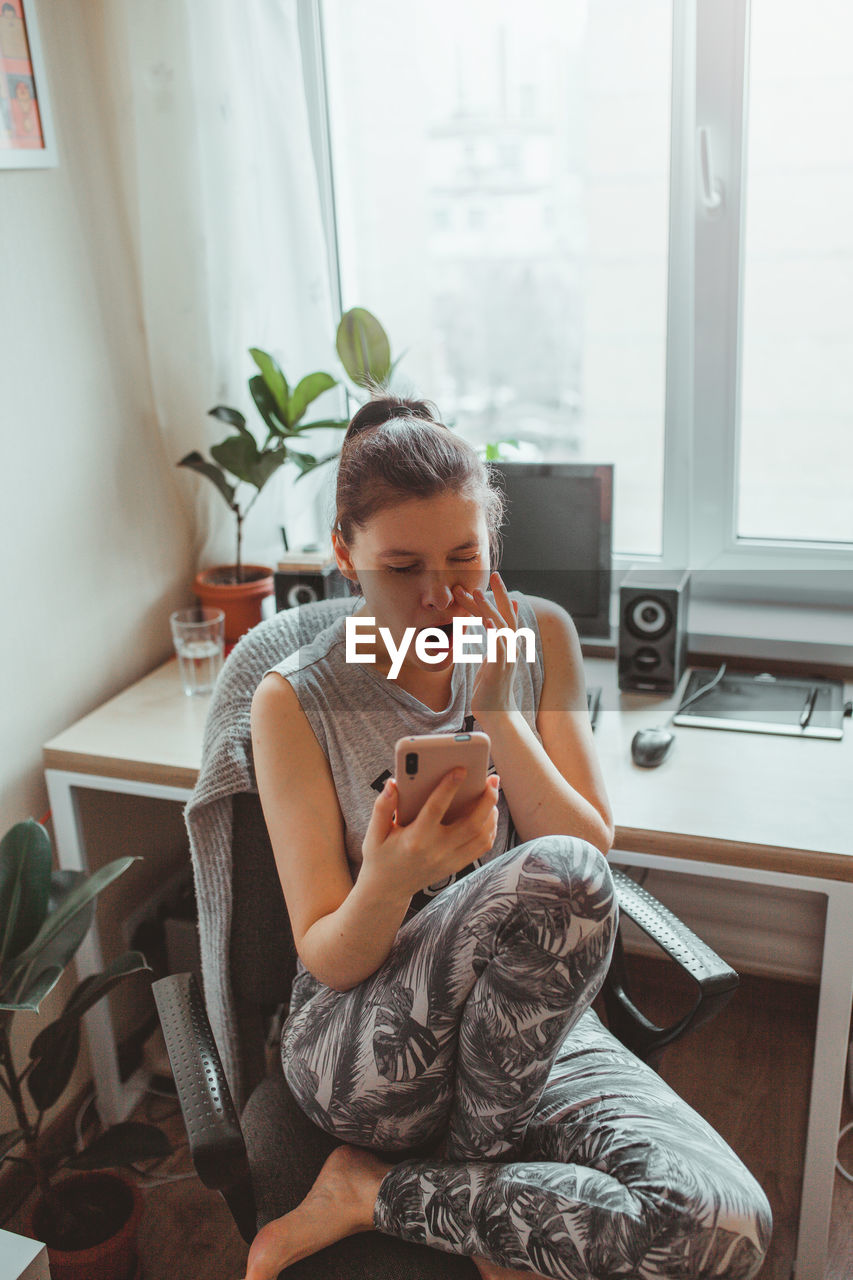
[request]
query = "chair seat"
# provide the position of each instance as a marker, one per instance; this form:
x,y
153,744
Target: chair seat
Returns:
x,y
286,1152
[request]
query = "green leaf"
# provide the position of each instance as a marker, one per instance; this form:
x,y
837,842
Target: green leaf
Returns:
x,y
233,417
275,381
363,347
267,407
123,1144
80,897
307,390
337,423
50,1075
197,463
25,866
317,462
24,989
36,990
10,1140
86,994
240,455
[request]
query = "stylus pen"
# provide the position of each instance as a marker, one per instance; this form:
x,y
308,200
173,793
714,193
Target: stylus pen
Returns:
x,y
806,713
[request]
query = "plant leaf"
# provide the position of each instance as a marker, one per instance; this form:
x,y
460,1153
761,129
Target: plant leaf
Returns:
x,y
84,996
81,896
36,990
275,381
10,1140
122,1144
337,423
233,417
25,866
311,386
26,988
50,1075
197,463
317,462
240,455
363,347
267,407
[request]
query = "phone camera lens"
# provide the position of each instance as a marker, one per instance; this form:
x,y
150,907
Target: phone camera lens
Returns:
x,y
412,762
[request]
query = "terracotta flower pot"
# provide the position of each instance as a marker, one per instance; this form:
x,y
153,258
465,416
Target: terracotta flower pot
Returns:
x,y
241,602
107,1257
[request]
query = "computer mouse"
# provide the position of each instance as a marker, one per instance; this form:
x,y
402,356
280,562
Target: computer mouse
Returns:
x,y
650,747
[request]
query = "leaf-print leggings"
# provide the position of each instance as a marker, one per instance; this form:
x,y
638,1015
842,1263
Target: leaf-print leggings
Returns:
x,y
523,1131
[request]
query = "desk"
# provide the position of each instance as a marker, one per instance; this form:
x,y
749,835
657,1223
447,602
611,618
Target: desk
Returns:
x,y
729,805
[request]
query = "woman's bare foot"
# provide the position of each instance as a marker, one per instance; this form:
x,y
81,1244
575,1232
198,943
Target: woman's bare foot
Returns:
x,y
340,1203
491,1271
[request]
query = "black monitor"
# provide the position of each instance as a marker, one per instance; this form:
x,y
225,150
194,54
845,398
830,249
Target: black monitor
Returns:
x,y
558,536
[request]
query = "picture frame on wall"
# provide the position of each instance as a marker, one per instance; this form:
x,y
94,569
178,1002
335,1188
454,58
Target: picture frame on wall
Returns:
x,y
27,139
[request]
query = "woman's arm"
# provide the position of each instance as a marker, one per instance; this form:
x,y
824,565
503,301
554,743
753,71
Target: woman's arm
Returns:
x,y
555,786
342,932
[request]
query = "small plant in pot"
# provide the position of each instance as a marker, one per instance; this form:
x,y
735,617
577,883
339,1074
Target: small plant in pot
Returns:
x,y
362,344
88,1217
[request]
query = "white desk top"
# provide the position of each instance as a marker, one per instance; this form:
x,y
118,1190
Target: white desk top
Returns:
x,y
748,799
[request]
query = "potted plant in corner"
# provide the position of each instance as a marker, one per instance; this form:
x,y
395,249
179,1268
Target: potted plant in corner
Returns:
x,y
87,1208
239,589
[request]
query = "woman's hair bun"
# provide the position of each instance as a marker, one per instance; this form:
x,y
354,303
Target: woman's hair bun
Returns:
x,y
385,408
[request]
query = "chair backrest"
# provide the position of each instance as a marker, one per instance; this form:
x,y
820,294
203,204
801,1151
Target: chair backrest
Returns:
x,y
262,956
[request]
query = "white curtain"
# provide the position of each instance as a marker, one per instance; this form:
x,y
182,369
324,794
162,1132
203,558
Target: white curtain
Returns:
x,y
225,225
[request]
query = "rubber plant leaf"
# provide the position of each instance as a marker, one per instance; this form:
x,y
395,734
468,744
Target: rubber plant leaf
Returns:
x,y
266,407
197,463
307,390
122,1144
10,1140
25,866
237,454
86,994
48,1078
233,417
363,347
339,424
76,898
275,381
316,462
25,988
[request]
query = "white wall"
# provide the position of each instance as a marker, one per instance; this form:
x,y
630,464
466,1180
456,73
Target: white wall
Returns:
x,y
96,545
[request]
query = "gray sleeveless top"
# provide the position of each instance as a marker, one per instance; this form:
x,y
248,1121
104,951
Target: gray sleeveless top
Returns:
x,y
357,716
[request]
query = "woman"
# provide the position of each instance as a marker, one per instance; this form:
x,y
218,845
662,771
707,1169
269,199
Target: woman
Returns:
x,y
446,969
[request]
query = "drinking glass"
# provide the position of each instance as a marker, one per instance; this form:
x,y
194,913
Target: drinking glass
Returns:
x,y
199,636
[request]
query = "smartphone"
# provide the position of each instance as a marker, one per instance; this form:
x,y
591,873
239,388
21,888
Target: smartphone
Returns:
x,y
420,762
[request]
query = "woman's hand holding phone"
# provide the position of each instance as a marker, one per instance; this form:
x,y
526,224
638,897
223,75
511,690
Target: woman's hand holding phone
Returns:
x,y
405,859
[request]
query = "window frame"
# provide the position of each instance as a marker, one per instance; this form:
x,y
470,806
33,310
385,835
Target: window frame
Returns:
x,y
710,49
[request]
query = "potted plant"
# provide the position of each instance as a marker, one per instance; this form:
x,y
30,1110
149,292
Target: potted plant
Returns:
x,y
87,1218
362,344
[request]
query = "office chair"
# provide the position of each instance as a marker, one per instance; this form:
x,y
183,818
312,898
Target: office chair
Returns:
x,y
264,1159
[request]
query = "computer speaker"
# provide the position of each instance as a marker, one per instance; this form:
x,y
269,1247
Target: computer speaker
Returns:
x,y
652,630
302,586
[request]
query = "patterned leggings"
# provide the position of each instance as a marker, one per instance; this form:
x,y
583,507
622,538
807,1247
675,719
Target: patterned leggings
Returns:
x,y
524,1132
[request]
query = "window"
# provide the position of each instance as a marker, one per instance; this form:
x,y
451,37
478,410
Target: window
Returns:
x,y
584,241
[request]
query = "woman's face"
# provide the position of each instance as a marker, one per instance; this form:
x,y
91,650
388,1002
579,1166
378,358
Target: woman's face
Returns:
x,y
409,557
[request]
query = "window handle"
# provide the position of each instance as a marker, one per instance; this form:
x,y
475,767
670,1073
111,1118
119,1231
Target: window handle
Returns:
x,y
712,188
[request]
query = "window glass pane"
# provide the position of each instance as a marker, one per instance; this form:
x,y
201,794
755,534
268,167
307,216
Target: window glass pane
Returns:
x,y
502,193
796,446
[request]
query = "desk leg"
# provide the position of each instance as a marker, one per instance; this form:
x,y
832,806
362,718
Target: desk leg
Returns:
x,y
830,1056
112,1098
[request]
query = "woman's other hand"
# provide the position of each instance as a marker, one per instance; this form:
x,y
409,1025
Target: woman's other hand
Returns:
x,y
492,691
406,859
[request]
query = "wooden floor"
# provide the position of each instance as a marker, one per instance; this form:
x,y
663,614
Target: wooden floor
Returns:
x,y
747,1072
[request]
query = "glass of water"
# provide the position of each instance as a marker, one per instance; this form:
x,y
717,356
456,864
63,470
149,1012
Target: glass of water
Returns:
x,y
199,636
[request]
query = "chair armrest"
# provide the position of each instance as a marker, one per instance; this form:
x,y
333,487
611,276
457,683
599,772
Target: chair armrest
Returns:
x,y
716,981
216,1142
